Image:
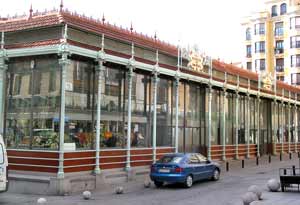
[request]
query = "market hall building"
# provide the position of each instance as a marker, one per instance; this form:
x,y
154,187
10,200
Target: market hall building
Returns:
x,y
81,96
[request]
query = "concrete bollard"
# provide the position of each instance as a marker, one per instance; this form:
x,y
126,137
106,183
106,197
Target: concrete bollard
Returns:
x,y
257,203
41,201
273,185
147,183
256,190
86,195
227,166
249,197
243,163
119,190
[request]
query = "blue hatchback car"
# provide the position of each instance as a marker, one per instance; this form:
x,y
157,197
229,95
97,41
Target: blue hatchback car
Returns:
x,y
183,168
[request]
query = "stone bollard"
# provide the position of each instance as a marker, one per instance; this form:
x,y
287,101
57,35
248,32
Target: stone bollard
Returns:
x,y
86,195
257,203
119,190
256,190
273,185
147,183
249,197
41,201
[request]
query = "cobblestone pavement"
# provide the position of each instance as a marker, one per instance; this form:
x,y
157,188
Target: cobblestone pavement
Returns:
x,y
227,191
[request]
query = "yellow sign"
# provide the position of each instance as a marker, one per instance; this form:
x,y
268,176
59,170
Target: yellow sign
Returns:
x,y
196,61
267,82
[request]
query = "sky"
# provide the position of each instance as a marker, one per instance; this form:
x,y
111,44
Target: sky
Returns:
x,y
214,26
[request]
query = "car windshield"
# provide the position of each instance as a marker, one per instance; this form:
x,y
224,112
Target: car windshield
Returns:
x,y
170,159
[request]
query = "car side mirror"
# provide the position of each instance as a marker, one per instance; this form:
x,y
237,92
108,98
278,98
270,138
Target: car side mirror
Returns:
x,y
207,161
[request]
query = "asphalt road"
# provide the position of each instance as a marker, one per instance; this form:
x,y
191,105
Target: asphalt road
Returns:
x,y
228,190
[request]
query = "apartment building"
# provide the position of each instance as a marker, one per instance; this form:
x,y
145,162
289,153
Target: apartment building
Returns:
x,y
272,40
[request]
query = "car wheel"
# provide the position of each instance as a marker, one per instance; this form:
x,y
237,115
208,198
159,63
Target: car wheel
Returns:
x,y
158,184
188,181
216,175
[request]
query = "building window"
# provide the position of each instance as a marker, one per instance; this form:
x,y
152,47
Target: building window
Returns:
x,y
279,29
248,34
283,9
260,64
295,42
249,66
248,51
281,78
259,29
295,61
274,11
279,65
295,78
295,22
260,47
279,47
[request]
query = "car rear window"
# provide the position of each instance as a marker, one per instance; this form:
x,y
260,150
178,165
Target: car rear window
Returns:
x,y
170,159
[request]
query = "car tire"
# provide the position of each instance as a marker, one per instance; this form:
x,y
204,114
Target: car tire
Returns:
x,y
188,181
216,175
158,184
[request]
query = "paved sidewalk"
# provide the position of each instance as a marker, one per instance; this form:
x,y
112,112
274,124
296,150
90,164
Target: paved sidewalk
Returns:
x,y
227,191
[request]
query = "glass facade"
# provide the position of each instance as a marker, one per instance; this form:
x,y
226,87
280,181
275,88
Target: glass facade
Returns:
x,y
33,110
32,103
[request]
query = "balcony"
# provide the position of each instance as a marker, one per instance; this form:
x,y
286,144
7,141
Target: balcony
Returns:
x,y
278,50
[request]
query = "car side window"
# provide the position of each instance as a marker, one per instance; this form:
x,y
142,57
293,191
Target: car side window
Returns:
x,y
202,158
194,159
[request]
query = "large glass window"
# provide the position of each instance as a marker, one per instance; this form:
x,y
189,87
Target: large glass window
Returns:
x,y
260,64
279,29
242,119
215,117
248,51
230,118
295,78
260,47
283,9
295,61
249,65
295,42
253,121
259,29
248,34
33,103
274,11
295,22
279,65
79,106
191,117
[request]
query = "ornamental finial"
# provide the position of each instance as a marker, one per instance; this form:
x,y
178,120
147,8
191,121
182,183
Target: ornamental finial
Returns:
x,y
30,11
103,18
131,28
155,36
61,6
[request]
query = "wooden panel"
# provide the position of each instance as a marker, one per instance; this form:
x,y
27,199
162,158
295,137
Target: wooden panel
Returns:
x,y
79,169
145,151
33,169
136,158
33,161
33,154
135,164
165,150
79,154
112,166
112,152
112,159
78,162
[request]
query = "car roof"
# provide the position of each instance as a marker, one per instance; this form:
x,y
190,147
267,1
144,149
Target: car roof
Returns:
x,y
181,154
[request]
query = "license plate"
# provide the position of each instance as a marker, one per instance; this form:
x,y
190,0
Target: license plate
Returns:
x,y
164,170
